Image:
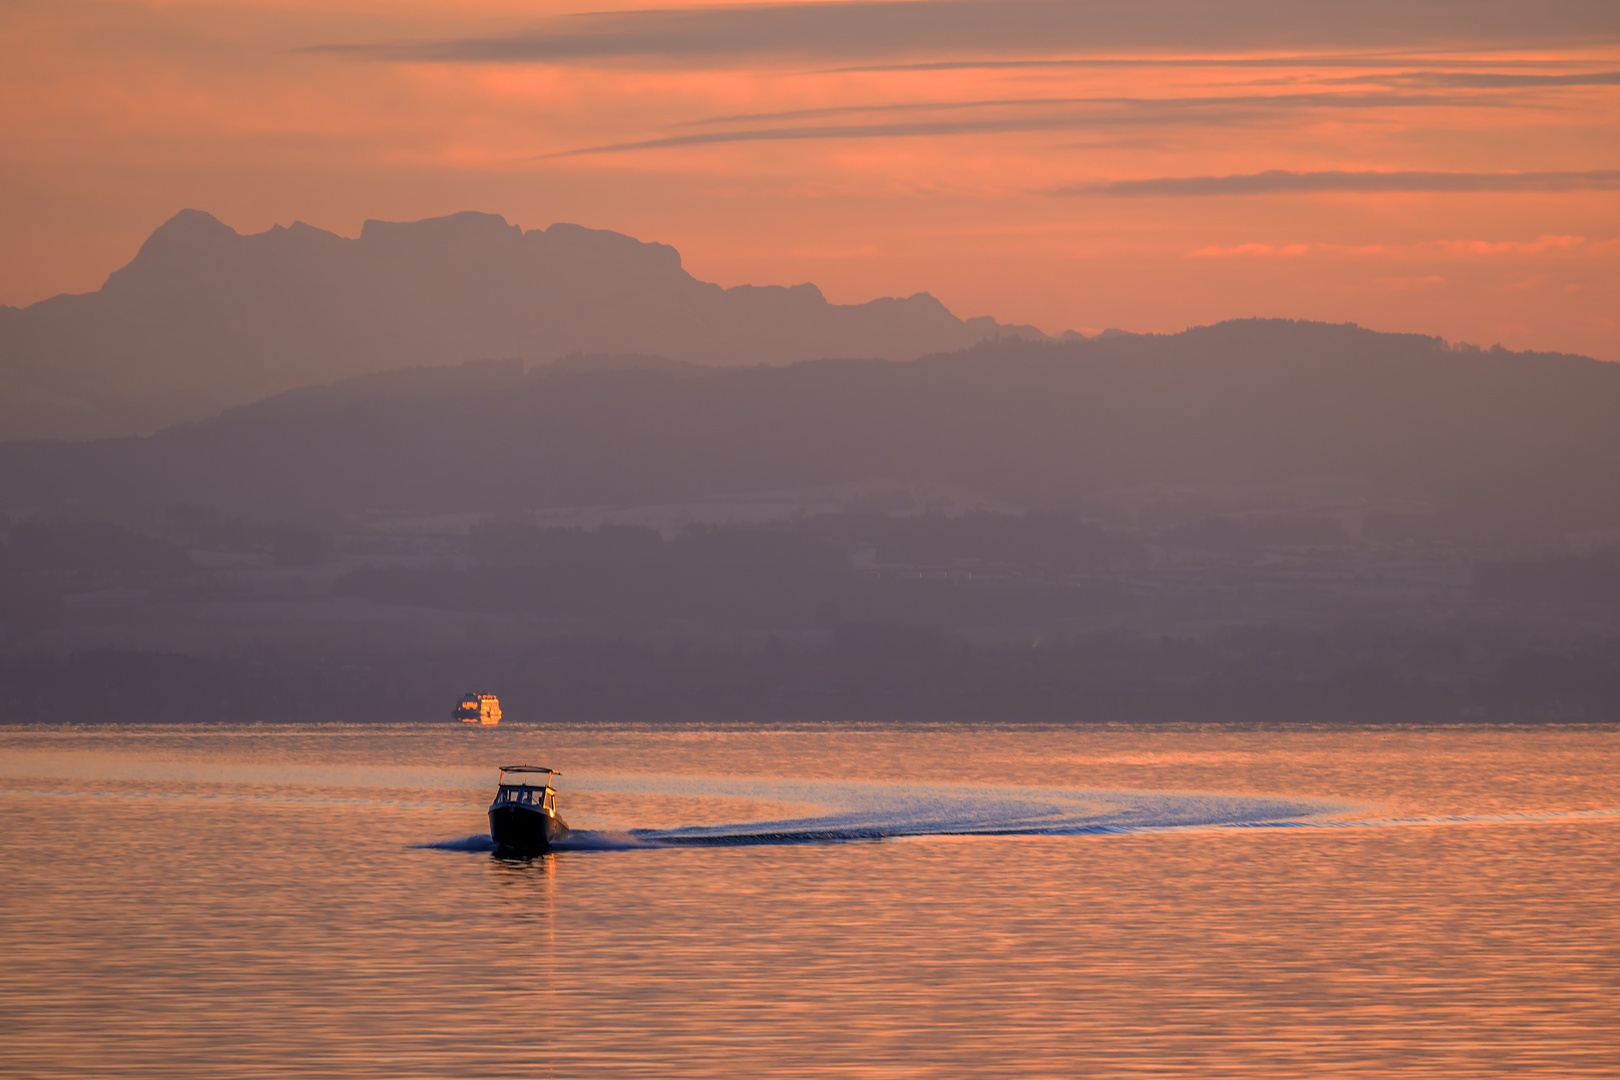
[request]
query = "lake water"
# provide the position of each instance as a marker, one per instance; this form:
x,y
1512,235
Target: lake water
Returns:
x,y
1090,901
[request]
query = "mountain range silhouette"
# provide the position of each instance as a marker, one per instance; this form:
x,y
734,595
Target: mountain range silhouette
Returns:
x,y
461,364
1494,442
204,318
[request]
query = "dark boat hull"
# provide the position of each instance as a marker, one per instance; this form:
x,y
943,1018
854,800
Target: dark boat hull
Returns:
x,y
523,829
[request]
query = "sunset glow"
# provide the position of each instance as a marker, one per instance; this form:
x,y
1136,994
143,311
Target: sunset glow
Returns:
x,y
956,539
1149,170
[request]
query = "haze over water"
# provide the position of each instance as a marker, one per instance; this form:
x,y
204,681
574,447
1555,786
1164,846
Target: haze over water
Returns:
x,y
268,901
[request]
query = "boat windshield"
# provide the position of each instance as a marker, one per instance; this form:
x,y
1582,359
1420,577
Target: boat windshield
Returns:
x,y
527,785
524,796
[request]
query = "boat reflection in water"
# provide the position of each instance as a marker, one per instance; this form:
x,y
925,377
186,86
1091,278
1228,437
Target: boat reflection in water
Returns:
x,y
523,818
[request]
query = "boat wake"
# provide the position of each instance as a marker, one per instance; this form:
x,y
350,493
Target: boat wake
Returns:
x,y
849,811
481,842
855,811
852,811
578,840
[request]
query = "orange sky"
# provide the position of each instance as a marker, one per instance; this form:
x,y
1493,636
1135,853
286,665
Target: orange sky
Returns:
x,y
1436,166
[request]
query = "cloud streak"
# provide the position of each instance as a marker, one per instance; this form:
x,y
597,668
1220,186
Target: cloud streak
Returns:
x,y
1031,115
1189,103
1293,60
1428,249
902,129
1481,80
1279,181
937,29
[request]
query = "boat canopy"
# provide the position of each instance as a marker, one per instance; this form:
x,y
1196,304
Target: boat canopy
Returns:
x,y
532,769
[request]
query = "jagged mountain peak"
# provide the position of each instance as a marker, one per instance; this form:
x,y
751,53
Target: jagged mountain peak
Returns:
x,y
205,317
465,225
188,236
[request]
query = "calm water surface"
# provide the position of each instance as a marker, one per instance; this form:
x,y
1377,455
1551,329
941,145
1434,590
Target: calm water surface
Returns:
x,y
317,902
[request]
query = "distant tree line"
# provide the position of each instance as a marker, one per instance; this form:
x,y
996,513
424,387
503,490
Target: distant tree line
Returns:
x,y
1590,580
859,671
772,577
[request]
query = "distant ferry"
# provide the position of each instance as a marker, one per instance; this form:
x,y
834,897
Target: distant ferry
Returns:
x,y
478,709
523,817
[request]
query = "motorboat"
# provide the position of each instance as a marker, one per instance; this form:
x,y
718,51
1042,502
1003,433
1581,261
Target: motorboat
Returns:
x,y
523,818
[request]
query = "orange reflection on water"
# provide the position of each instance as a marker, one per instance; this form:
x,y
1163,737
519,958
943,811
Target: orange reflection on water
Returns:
x,y
145,935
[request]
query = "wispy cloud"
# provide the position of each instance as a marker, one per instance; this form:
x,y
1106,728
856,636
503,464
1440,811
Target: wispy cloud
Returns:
x,y
1285,60
1025,115
1155,105
1427,250
1480,80
894,107
1242,250
946,29
1279,181
903,129
1513,247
